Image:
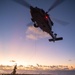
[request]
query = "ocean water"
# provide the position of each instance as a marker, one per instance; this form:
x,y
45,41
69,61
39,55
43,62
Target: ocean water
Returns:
x,y
68,72
63,72
72,72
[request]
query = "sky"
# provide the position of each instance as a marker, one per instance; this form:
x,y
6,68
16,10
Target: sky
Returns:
x,y
27,45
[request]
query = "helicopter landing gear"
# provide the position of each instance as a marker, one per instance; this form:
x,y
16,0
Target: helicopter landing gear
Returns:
x,y
55,34
52,31
35,25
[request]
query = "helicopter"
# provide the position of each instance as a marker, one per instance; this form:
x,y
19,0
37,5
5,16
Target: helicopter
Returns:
x,y
41,19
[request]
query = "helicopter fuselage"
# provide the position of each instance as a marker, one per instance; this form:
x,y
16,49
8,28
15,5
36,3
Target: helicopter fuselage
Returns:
x,y
41,19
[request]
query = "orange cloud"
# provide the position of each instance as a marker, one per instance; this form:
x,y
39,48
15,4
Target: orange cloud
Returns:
x,y
2,71
12,61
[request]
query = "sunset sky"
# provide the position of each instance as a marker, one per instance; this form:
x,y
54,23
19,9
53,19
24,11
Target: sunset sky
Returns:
x,y
28,45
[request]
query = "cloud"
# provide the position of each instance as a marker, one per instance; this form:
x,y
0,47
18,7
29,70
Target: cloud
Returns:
x,y
31,36
69,60
12,61
35,33
2,71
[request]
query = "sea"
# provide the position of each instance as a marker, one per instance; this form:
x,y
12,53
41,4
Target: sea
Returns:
x,y
46,72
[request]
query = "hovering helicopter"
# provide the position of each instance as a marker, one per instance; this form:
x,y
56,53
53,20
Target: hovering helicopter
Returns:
x,y
41,19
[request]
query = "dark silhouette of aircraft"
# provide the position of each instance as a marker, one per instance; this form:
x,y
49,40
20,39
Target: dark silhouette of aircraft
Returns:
x,y
41,19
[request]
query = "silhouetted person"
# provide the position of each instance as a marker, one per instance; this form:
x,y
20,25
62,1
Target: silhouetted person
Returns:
x,y
14,70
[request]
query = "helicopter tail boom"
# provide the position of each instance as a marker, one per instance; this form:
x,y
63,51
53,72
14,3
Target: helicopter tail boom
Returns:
x,y
56,39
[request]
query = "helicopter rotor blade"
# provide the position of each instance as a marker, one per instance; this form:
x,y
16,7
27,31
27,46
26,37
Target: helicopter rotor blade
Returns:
x,y
60,21
23,2
56,3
